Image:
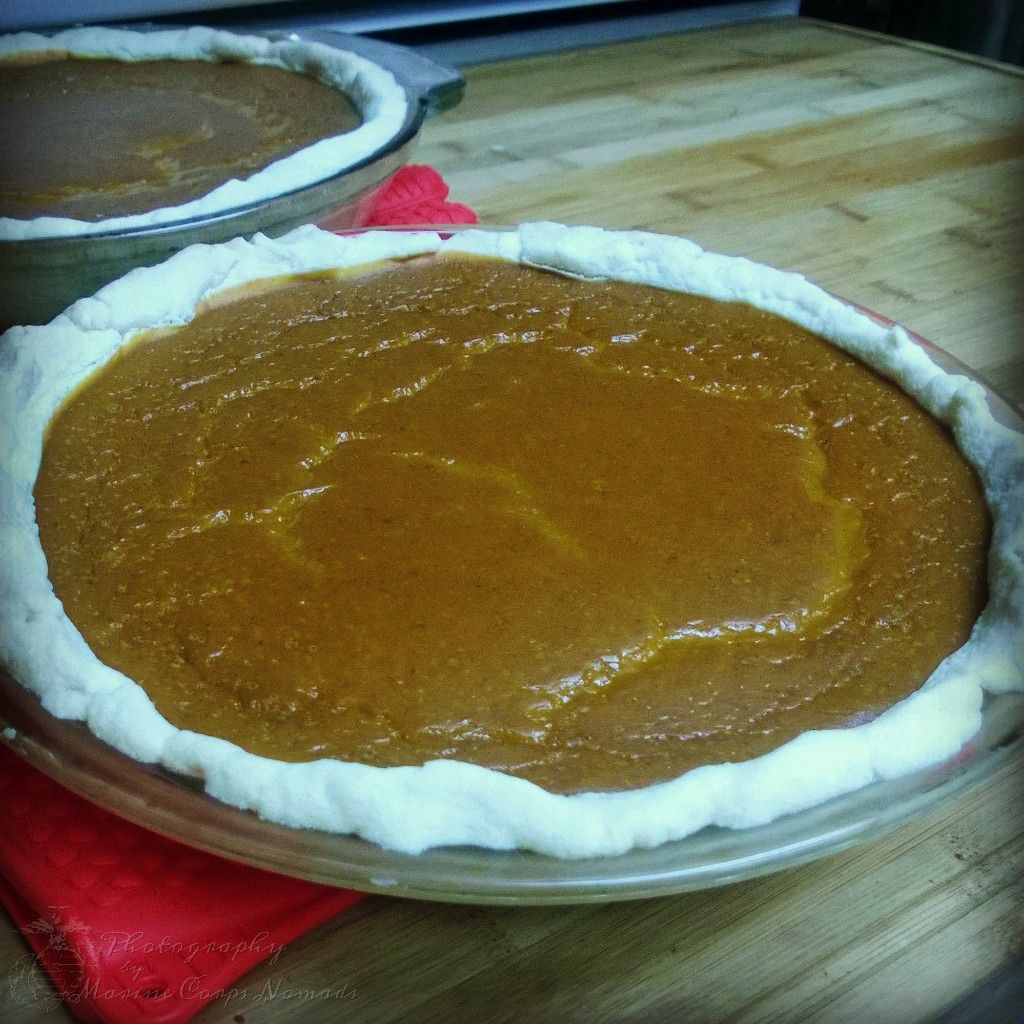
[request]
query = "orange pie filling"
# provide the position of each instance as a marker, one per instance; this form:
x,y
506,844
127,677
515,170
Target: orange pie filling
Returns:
x,y
588,533
139,135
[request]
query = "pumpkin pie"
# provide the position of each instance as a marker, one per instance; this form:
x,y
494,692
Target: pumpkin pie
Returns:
x,y
108,130
558,538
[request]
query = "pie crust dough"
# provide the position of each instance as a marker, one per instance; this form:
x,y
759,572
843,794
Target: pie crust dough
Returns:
x,y
380,100
449,802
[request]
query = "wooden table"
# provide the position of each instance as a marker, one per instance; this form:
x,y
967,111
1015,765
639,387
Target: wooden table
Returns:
x,y
890,173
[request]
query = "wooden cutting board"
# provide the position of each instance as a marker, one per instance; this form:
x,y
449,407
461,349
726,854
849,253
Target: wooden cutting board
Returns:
x,y
891,173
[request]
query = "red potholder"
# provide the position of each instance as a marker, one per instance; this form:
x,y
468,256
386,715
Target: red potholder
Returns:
x,y
131,926
416,194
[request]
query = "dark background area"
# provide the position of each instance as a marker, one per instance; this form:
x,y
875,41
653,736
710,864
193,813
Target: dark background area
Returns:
x,y
989,28
464,31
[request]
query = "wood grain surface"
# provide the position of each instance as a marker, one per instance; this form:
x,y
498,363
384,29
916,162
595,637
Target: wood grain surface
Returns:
x,y
891,174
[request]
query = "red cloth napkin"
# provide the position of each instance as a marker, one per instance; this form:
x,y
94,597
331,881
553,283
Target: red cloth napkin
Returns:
x,y
130,926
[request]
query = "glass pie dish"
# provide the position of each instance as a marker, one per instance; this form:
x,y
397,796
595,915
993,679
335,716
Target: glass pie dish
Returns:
x,y
175,806
43,276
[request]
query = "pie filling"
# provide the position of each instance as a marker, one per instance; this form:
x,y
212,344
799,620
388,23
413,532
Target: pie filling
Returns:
x,y
142,135
589,533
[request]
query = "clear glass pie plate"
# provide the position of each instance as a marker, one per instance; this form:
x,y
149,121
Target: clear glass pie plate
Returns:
x,y
40,277
176,806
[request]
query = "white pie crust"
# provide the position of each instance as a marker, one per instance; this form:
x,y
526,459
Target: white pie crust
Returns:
x,y
379,98
449,802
